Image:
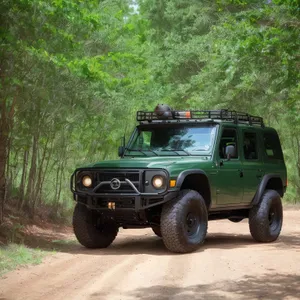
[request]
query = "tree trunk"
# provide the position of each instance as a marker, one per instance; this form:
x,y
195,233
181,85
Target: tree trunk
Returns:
x,y
44,173
32,173
56,200
23,180
37,190
8,173
4,127
59,186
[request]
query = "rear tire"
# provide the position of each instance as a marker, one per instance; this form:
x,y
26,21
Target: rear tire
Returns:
x,y
88,233
265,219
157,231
184,222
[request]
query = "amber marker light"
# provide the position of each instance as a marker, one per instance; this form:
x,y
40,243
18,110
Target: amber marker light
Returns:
x,y
188,114
172,183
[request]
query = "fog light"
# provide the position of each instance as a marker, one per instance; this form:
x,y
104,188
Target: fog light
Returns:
x,y
111,205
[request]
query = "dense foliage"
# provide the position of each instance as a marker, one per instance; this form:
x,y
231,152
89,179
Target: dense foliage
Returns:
x,y
74,72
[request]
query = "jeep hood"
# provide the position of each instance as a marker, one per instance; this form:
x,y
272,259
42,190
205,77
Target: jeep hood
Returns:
x,y
166,162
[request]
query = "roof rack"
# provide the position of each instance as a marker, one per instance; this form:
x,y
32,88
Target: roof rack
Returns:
x,y
223,114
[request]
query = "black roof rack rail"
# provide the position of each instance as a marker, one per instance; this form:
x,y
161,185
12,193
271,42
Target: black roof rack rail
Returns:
x,y
223,114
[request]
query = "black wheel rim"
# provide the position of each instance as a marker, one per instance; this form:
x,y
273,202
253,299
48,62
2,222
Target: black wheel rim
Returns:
x,y
192,224
273,218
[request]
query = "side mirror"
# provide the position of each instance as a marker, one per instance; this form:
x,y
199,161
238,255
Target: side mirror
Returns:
x,y
230,151
121,151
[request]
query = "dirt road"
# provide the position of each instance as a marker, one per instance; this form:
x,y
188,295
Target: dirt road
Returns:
x,y
137,266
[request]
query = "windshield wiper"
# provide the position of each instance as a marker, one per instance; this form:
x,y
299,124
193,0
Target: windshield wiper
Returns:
x,y
138,150
142,151
176,151
151,151
200,149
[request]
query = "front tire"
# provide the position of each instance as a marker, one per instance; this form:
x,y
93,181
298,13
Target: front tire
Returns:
x,y
88,232
184,222
265,219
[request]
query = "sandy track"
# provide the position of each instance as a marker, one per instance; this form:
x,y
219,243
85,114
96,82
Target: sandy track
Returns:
x,y
137,266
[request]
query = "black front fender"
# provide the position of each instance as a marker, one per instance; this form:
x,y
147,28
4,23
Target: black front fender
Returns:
x,y
184,174
203,187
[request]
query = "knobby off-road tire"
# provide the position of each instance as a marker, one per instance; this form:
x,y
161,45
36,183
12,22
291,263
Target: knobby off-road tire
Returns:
x,y
91,235
265,219
157,231
184,222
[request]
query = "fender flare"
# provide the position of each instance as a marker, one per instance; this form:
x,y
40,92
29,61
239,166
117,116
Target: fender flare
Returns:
x,y
262,187
181,177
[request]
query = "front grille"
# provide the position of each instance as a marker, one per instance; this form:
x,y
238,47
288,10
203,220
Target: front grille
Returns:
x,y
104,179
120,176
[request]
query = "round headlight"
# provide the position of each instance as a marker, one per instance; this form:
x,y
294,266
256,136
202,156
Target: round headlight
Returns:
x,y
87,181
158,181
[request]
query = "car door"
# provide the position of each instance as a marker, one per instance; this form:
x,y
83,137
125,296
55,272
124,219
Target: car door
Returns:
x,y
229,180
252,164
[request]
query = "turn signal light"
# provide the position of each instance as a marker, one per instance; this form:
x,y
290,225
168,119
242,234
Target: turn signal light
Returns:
x,y
188,114
172,183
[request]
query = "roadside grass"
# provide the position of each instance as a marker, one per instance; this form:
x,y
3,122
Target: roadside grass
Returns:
x,y
13,256
65,242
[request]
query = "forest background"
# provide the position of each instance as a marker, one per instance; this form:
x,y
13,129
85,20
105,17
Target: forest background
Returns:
x,y
74,73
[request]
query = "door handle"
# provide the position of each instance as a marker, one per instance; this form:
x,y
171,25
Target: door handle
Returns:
x,y
241,173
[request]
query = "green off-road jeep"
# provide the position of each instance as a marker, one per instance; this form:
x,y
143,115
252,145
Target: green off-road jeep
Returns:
x,y
178,170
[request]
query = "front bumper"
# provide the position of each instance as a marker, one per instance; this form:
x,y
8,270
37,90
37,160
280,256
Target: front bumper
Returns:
x,y
134,202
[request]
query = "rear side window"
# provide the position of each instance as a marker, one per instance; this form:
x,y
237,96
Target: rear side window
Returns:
x,y
250,146
272,146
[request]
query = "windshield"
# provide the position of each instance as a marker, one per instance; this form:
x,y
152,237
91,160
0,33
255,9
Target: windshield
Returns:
x,y
173,140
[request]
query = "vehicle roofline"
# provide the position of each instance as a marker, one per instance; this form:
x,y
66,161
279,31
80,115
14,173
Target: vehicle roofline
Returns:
x,y
203,122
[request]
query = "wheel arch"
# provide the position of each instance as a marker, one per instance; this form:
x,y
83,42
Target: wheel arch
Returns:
x,y
269,181
191,179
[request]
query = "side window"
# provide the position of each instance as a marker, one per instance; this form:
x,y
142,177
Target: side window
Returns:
x,y
229,137
272,146
250,145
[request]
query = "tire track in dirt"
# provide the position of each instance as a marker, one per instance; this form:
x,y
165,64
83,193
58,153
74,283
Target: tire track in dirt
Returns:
x,y
122,284
152,271
71,279
230,265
